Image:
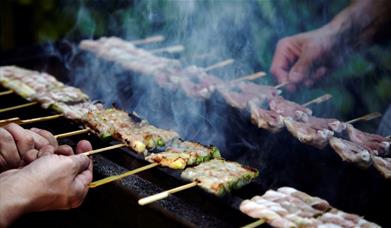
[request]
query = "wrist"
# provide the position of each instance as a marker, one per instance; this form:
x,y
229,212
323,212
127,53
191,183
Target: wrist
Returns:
x,y
14,197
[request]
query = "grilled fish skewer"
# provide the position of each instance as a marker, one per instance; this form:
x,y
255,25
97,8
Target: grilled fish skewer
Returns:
x,y
6,92
120,176
165,194
18,107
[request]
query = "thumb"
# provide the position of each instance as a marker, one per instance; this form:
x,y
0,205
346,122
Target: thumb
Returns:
x,y
80,163
302,68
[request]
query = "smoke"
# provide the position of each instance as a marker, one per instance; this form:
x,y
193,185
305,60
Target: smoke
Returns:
x,y
211,31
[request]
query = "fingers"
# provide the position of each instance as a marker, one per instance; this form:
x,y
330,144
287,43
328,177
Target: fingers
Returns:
x,y
23,140
46,135
10,157
81,163
30,156
46,150
284,55
83,146
64,150
302,68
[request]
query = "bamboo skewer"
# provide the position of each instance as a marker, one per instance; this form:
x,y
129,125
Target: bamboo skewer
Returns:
x,y
254,224
367,117
18,107
170,49
219,65
281,85
7,121
318,100
120,176
88,153
165,194
6,92
250,77
40,119
29,121
148,40
72,133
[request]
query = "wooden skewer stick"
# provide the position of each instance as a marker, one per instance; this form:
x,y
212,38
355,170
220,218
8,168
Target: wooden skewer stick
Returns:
x,y
165,194
40,119
318,100
72,133
18,107
254,224
281,85
148,40
120,176
170,49
250,77
367,117
219,65
7,121
29,121
88,153
6,92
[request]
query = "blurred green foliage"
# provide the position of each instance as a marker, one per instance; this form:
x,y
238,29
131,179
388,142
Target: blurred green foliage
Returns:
x,y
361,85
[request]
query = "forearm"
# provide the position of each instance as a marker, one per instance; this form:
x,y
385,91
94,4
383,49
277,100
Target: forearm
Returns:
x,y
13,202
358,24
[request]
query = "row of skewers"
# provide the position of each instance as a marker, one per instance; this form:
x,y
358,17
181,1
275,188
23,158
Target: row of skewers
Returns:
x,y
206,168
267,108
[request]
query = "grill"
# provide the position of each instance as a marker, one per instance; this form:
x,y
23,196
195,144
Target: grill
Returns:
x,y
281,160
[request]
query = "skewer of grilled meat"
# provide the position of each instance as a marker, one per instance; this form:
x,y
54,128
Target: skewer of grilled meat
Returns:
x,y
288,207
216,176
378,144
139,136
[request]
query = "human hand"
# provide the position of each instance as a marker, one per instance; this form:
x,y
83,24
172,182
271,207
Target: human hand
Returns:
x,y
50,182
306,57
19,146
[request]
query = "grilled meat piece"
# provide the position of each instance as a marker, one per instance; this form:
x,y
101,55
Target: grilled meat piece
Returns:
x,y
218,176
337,218
289,109
130,57
307,133
383,165
325,123
183,153
288,207
265,119
41,87
76,112
351,152
378,144
138,136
